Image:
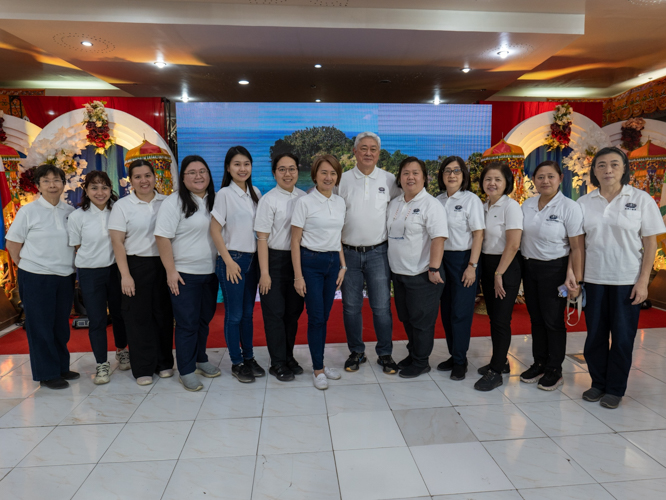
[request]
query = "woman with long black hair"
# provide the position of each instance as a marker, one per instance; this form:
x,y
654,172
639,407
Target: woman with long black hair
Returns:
x,y
182,232
232,230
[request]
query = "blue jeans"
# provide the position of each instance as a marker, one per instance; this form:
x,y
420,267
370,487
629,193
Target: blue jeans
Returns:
x,y
608,311
239,305
320,270
373,268
193,309
101,286
457,304
47,301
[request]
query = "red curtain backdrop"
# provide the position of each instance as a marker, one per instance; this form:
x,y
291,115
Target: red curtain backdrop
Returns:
x,y
508,114
43,109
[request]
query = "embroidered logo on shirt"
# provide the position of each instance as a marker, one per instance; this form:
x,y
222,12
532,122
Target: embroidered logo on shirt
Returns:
x,y
382,190
630,206
416,211
457,208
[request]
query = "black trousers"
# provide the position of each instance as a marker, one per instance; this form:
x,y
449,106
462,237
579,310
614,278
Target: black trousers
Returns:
x,y
281,308
546,309
417,305
500,310
148,317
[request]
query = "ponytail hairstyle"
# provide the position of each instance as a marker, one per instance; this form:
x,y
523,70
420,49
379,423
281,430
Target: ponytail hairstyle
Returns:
x,y
226,180
189,205
97,177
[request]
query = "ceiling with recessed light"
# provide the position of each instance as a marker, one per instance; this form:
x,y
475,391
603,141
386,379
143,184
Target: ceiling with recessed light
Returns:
x,y
451,51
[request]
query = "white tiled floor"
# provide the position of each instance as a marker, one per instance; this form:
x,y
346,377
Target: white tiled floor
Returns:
x,y
370,436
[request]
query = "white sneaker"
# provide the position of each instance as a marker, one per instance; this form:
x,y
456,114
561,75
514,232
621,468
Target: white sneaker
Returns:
x,y
168,373
332,373
144,380
123,359
320,381
103,373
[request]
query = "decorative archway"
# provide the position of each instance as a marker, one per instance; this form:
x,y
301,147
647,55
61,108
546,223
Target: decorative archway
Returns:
x,y
20,133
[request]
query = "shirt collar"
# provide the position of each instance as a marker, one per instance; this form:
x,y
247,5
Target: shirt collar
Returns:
x,y
95,210
498,203
61,205
421,194
285,192
236,188
135,199
320,197
457,195
552,202
359,175
625,191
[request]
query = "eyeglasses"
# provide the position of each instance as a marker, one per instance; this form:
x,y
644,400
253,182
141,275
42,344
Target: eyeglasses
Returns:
x,y
194,173
54,182
455,171
283,170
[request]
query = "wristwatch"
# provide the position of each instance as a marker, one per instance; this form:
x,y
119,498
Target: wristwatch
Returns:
x,y
433,270
498,274
474,265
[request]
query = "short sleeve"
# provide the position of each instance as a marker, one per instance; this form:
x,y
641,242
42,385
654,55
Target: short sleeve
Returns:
x,y
652,222
117,220
477,217
436,223
168,218
574,220
300,213
263,220
18,231
74,227
513,216
220,207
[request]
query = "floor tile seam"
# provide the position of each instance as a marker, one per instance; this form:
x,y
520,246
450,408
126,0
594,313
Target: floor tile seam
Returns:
x,y
98,423
640,448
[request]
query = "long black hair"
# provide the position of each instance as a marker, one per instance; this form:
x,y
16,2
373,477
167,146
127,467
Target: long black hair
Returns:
x,y
97,177
226,180
189,205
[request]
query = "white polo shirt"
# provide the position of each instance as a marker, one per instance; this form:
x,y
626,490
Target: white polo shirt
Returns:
x,y
411,227
274,216
42,228
504,215
366,198
136,219
321,219
90,229
464,212
546,233
235,211
613,232
193,249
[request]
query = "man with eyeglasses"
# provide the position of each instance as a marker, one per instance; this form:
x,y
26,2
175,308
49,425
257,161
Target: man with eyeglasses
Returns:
x,y
367,191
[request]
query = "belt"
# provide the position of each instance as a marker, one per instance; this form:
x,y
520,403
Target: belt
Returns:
x,y
364,249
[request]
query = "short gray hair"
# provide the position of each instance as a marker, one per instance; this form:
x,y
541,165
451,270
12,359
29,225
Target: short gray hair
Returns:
x,y
371,135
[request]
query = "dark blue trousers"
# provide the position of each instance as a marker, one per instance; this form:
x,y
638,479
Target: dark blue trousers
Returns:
x,y
193,309
457,305
101,287
47,301
609,312
320,270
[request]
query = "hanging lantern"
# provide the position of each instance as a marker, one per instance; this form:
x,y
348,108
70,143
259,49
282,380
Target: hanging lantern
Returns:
x,y
647,165
159,158
515,157
10,160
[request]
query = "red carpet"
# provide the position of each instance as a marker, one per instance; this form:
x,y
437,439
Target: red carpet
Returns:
x,y
16,342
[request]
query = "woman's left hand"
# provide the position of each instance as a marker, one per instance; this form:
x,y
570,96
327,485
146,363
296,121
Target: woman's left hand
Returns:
x,y
499,287
469,276
341,278
435,278
639,293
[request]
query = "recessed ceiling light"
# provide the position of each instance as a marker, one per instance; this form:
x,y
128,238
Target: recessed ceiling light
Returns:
x,y
86,43
503,54
436,101
317,100
184,98
160,64
465,70
243,82
317,66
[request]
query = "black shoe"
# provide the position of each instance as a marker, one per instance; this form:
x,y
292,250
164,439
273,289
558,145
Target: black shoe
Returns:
x,y
533,373
593,395
405,362
55,383
242,372
489,381
295,368
413,371
446,366
389,365
354,361
484,369
551,380
257,370
70,375
458,372
282,373
610,401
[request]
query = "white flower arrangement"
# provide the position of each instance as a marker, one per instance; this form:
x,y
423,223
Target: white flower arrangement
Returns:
x,y
580,159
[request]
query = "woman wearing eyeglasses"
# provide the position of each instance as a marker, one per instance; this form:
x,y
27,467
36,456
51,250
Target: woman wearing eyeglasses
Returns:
x,y
417,230
281,305
182,232
462,250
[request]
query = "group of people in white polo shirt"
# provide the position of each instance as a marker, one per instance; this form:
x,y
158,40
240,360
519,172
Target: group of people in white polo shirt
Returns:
x,y
152,258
